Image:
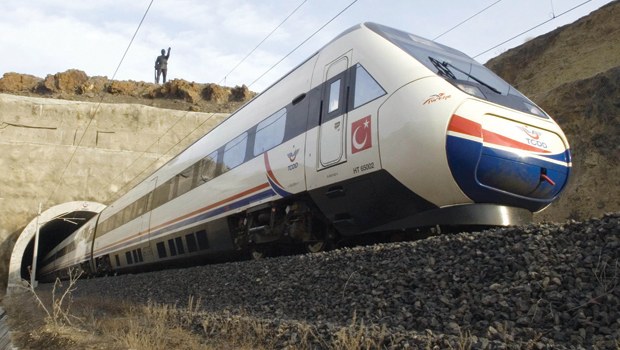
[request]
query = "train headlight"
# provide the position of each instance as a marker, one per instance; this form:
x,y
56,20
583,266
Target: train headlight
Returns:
x,y
470,89
535,110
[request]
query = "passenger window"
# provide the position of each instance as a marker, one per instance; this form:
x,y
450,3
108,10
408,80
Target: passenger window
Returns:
x,y
185,180
208,167
234,152
140,204
334,96
134,210
161,194
126,215
179,244
103,228
191,243
128,258
116,220
161,250
203,243
366,88
174,185
270,132
173,250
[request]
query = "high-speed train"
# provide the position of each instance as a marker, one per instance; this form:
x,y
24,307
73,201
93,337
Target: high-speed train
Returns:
x,y
380,130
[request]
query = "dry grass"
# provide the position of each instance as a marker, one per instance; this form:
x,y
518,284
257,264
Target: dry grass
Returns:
x,y
55,320
155,327
358,336
100,324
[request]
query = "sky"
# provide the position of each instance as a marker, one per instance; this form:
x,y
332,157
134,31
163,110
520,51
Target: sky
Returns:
x,y
211,39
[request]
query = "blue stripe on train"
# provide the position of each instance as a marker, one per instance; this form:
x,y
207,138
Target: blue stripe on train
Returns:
x,y
562,157
489,175
206,215
211,213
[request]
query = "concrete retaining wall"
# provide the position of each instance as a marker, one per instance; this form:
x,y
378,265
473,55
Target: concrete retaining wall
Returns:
x,y
56,151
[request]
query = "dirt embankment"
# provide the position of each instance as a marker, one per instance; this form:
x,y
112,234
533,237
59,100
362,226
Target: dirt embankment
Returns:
x,y
176,94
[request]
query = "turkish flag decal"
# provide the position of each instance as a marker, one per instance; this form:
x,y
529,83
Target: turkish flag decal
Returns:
x,y
361,138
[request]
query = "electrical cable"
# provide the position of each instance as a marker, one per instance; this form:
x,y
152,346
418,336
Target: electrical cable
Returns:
x,y
62,174
534,27
466,20
303,42
262,41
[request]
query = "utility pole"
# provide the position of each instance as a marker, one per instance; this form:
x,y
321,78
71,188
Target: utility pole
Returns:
x,y
33,270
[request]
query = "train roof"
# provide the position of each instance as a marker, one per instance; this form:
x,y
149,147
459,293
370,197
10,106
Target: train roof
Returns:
x,y
396,36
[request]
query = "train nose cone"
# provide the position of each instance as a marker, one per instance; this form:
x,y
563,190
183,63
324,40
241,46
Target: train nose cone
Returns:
x,y
498,160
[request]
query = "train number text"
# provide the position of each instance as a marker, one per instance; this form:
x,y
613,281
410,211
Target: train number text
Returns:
x,y
365,167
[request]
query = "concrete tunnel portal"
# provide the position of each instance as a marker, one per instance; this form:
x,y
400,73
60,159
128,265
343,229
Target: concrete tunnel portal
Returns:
x,y
54,224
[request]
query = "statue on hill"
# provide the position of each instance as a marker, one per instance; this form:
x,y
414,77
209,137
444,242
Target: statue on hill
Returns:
x,y
161,65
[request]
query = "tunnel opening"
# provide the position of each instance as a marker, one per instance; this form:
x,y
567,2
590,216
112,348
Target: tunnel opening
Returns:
x,y
52,233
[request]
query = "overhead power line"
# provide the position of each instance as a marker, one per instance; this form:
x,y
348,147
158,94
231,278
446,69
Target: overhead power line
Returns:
x,y
62,174
534,27
262,41
466,20
303,42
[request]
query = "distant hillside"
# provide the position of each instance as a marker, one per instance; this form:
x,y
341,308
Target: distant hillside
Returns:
x,y
574,74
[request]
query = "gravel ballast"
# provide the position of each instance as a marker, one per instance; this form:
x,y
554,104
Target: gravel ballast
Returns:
x,y
536,286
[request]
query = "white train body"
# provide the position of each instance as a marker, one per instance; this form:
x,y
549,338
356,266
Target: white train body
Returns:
x,y
379,130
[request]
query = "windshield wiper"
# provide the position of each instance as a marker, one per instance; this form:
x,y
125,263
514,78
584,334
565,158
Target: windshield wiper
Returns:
x,y
444,70
446,64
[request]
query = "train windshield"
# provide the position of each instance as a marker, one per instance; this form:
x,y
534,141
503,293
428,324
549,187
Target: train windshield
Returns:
x,y
459,69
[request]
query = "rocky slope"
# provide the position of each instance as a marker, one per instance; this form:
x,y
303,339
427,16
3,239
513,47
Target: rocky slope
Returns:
x,y
537,286
573,73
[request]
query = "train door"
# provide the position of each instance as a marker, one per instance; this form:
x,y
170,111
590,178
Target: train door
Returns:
x,y
332,123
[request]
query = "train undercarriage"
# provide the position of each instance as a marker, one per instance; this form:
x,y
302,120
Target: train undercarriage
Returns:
x,y
276,227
